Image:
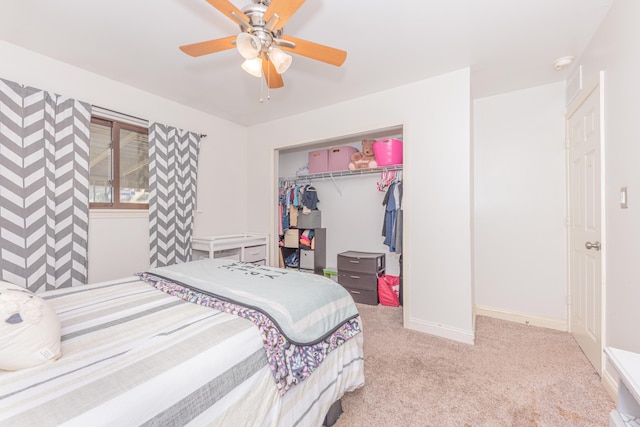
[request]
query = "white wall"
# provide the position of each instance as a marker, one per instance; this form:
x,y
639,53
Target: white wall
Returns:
x,y
520,207
130,256
614,49
436,119
121,247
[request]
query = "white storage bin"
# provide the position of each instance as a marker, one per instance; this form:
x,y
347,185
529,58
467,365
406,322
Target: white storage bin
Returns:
x,y
306,259
197,255
255,253
232,254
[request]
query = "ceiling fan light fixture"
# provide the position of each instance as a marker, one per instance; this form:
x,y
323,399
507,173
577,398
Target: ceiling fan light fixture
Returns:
x,y
253,66
280,60
248,45
261,39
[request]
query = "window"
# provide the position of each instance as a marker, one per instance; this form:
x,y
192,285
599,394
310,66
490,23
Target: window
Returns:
x,y
118,165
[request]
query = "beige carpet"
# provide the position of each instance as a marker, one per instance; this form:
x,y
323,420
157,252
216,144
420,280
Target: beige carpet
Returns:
x,y
515,375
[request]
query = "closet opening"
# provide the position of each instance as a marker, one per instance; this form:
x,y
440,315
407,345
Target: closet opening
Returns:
x,y
341,236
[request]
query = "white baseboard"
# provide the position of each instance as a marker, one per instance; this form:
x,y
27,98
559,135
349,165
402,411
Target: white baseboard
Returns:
x,y
460,335
527,319
610,384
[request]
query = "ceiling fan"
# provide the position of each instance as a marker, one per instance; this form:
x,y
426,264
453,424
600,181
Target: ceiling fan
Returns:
x,y
261,41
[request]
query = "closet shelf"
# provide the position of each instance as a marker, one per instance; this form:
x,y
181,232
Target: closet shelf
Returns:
x,y
336,174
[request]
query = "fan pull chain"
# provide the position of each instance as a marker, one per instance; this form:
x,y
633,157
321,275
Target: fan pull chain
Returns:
x,y
261,90
268,80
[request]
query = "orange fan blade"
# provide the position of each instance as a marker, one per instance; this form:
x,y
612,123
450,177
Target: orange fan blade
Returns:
x,y
284,8
226,7
211,46
316,51
274,80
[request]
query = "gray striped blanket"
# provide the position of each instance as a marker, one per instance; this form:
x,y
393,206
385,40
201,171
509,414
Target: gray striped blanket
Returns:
x,y
133,355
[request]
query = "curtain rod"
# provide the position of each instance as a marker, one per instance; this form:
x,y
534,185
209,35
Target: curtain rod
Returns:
x,y
118,113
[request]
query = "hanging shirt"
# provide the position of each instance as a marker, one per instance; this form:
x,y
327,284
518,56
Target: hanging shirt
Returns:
x,y
280,210
389,225
310,198
296,195
398,224
284,214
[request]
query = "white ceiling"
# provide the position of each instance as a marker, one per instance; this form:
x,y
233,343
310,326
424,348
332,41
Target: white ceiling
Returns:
x,y
508,44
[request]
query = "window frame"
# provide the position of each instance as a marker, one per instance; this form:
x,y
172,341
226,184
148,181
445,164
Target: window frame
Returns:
x,y
116,126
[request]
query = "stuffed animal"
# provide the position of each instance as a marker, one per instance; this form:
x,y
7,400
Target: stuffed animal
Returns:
x,y
364,159
29,329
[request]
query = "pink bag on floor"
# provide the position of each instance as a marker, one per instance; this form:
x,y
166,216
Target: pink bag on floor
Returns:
x,y
388,289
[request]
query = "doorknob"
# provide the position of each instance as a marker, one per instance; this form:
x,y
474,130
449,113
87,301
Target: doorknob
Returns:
x,y
594,245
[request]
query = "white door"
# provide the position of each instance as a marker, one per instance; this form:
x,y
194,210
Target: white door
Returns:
x,y
584,227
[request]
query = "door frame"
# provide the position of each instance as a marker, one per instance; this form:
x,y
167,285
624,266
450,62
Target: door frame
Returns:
x,y
599,85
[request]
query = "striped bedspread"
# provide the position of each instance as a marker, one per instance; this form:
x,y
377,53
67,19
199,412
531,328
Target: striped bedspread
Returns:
x,y
133,355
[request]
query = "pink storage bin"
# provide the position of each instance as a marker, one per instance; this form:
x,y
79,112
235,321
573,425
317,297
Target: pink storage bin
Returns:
x,y
388,151
340,157
318,161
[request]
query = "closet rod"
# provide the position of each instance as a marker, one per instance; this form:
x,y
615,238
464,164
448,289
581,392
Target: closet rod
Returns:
x,y
333,175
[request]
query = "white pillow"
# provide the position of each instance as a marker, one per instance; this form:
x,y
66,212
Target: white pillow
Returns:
x,y
29,329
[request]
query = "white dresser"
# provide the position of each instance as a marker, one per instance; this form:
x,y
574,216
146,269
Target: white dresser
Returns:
x,y
627,365
245,247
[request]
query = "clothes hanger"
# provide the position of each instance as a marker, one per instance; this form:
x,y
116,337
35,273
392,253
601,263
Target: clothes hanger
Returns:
x,y
385,180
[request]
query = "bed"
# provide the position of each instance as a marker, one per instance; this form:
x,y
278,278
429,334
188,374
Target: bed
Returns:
x,y
209,342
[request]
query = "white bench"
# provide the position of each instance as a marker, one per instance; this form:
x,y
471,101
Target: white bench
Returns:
x,y
246,247
627,365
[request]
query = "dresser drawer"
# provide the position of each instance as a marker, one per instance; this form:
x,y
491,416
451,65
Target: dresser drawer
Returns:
x,y
366,282
362,262
363,297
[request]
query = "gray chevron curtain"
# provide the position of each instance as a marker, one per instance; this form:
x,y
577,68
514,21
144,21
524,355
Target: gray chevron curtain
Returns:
x,y
44,193
173,171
